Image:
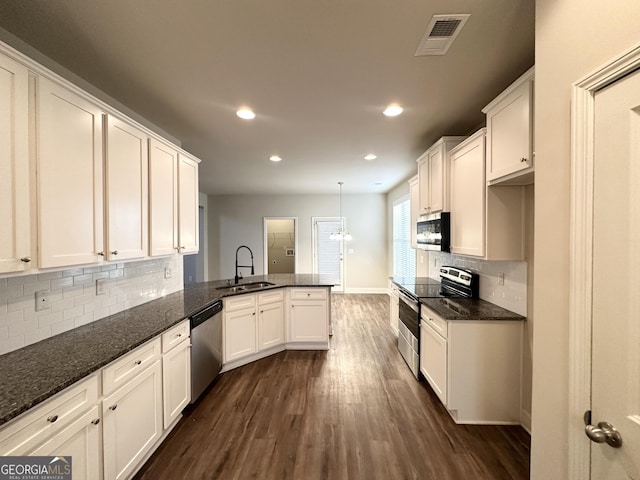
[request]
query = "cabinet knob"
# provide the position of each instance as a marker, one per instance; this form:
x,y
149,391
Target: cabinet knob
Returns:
x,y
96,421
101,254
113,407
261,311
179,335
52,418
523,160
25,259
308,294
138,362
183,248
115,252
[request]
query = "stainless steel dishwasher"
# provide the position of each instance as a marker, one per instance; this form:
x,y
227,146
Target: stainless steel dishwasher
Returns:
x,y
206,347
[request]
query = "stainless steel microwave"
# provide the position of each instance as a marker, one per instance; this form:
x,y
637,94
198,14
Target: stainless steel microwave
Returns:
x,y
434,232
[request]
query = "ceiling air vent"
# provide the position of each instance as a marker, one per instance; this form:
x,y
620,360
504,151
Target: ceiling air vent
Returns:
x,y
441,32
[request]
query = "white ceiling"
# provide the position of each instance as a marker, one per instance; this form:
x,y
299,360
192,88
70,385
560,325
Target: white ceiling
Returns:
x,y
318,74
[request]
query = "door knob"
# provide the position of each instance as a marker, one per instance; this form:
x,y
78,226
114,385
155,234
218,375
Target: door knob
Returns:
x,y
604,433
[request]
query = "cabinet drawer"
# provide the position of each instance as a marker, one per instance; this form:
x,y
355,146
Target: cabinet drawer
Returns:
x,y
175,335
271,297
308,293
238,302
434,321
41,423
129,365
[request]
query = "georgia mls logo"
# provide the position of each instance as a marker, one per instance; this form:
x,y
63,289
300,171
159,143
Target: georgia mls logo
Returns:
x,y
35,468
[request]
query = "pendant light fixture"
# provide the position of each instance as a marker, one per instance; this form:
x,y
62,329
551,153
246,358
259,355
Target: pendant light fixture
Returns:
x,y
341,234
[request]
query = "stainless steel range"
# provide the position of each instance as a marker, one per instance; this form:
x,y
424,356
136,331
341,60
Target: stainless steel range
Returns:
x,y
454,282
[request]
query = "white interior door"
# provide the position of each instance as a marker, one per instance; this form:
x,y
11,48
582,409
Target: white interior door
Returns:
x,y
615,369
328,254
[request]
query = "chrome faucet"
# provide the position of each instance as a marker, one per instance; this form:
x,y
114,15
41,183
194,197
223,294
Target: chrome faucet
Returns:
x,y
236,278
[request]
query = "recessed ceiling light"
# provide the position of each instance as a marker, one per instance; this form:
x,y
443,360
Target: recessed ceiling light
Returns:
x,y
275,158
370,156
246,113
393,110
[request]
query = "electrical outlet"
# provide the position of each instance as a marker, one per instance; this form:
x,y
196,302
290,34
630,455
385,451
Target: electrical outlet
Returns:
x,y
501,279
167,272
101,286
42,300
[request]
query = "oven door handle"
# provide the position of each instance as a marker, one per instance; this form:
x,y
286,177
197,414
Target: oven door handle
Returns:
x,y
411,302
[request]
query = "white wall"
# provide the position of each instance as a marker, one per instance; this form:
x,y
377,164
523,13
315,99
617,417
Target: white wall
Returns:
x,y
573,38
236,220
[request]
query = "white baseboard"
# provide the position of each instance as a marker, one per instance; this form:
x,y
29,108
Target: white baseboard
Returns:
x,y
525,420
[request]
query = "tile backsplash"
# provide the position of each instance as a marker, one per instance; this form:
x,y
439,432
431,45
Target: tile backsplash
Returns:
x,y
73,299
512,294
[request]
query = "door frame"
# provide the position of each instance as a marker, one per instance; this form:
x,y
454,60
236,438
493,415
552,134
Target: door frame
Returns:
x,y
314,252
580,261
265,242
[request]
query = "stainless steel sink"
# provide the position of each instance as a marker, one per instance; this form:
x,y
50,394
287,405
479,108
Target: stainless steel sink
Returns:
x,y
244,287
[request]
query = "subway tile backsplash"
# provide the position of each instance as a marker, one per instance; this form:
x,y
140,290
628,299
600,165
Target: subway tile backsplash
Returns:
x,y
73,299
512,295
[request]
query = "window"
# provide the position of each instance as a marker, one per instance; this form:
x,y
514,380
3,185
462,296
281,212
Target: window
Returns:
x,y
404,257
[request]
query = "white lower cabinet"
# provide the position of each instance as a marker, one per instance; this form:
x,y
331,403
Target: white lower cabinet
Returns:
x,y
176,372
132,422
473,366
239,327
270,319
308,315
80,441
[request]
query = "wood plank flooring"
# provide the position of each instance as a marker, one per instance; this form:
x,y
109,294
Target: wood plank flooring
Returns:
x,y
353,412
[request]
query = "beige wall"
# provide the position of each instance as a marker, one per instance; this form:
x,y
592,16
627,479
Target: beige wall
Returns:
x,y
236,220
573,38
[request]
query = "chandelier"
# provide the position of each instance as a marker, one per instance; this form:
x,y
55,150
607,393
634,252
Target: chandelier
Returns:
x,y
341,234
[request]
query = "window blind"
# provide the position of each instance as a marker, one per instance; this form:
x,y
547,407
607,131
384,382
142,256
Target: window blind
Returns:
x,y
404,257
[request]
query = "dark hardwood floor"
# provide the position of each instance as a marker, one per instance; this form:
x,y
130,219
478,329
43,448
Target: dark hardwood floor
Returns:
x,y
353,412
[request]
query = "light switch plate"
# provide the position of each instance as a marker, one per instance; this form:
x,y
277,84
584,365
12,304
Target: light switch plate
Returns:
x,y
167,272
101,286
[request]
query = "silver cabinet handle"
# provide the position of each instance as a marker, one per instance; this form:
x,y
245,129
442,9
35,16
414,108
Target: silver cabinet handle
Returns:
x,y
96,421
52,418
183,248
113,407
25,259
115,252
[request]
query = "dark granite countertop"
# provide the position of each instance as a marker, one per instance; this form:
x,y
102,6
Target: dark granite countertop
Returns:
x,y
468,309
36,372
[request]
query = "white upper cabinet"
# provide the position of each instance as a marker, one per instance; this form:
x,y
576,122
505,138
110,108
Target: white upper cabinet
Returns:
x,y
163,199
433,174
188,224
126,188
173,192
468,197
15,247
69,177
486,221
510,133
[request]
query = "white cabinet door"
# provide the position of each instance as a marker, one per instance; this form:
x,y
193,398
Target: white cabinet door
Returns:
x,y
132,422
270,325
433,360
436,180
188,204
163,199
176,381
15,211
308,320
80,441
126,196
239,333
510,130
69,178
423,178
468,197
